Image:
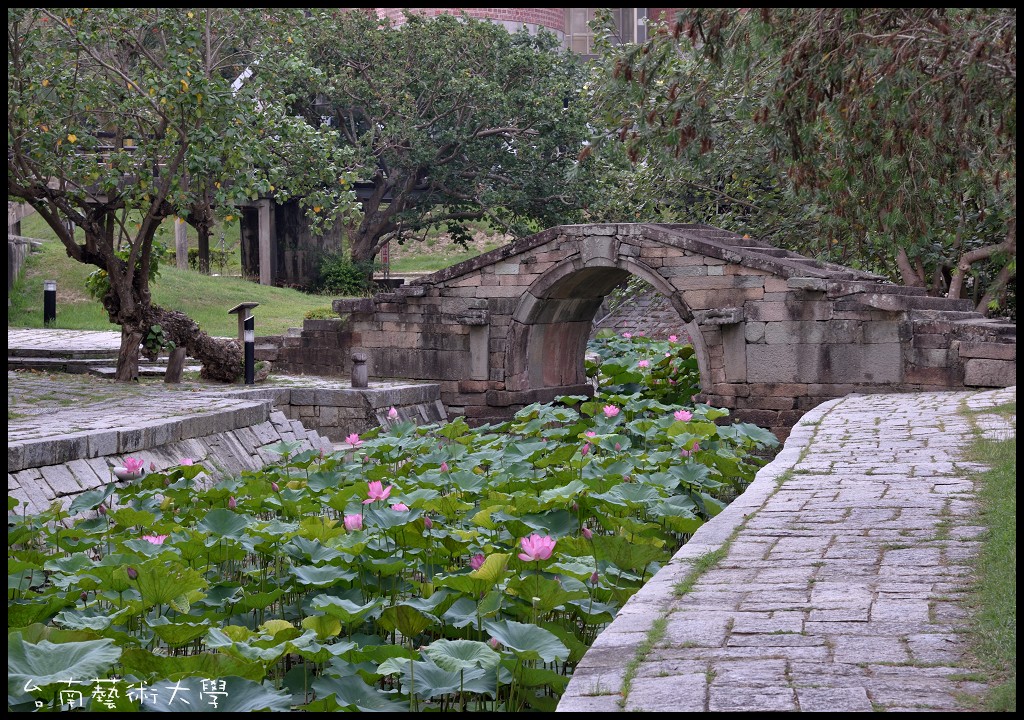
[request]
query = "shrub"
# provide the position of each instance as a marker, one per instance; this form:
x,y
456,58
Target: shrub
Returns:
x,y
340,275
321,313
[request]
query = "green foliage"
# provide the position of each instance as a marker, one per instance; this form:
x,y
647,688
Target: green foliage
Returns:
x,y
289,578
123,117
220,257
451,120
156,340
341,275
321,313
995,623
97,283
670,375
887,137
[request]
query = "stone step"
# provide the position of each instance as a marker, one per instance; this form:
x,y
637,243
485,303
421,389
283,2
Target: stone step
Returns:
x,y
74,366
293,332
144,371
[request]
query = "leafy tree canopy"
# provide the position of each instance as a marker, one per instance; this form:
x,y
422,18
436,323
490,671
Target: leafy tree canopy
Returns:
x,y
451,119
121,117
892,132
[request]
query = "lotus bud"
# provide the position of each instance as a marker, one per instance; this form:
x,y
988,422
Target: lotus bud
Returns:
x,y
102,509
133,574
427,522
493,642
444,467
594,578
232,503
588,533
575,507
84,596
274,487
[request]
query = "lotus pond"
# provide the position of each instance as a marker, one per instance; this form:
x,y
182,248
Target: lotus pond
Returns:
x,y
438,568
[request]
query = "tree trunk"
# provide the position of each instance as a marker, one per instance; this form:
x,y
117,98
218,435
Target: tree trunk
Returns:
x,y
221,359
128,357
203,231
907,270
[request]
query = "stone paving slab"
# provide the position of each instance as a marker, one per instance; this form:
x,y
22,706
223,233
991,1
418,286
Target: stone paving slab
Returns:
x,y
843,582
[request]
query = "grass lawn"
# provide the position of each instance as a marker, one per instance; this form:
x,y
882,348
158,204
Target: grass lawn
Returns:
x,y
995,622
204,298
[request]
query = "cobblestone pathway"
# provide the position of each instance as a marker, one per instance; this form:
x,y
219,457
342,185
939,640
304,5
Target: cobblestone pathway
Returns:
x,y
842,581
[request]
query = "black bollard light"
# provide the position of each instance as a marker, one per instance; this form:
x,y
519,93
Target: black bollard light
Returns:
x,y
49,302
250,350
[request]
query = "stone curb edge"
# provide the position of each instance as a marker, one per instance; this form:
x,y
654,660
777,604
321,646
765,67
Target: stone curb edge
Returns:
x,y
133,438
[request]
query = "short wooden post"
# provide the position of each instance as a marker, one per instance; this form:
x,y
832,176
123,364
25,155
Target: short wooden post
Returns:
x,y
175,365
360,377
244,312
180,244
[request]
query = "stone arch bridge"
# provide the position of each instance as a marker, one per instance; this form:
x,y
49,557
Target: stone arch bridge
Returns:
x,y
775,333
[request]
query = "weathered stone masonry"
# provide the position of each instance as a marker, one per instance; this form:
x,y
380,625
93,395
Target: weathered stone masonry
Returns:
x,y
775,333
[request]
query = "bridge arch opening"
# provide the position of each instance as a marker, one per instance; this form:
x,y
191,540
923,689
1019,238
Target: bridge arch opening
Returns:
x,y
554,320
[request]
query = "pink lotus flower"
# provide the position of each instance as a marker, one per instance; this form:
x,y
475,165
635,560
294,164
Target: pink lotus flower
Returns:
x,y
232,503
134,465
618,446
444,467
376,491
186,461
610,411
672,338
353,522
668,354
392,413
155,539
477,561
585,449
588,533
493,642
400,507
627,335
688,453
590,433
682,415
353,440
536,548
644,363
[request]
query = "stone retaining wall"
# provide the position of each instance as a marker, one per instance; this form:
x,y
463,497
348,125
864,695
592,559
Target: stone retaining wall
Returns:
x,y
69,468
226,442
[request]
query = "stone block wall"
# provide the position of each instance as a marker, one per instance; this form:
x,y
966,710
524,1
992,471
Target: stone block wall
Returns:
x,y
336,413
225,444
775,333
